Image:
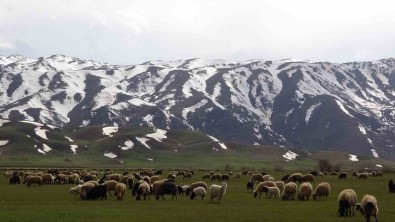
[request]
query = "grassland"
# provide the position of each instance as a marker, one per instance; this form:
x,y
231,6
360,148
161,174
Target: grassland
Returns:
x,y
54,203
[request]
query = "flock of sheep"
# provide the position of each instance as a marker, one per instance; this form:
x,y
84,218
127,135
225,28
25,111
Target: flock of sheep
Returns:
x,y
94,185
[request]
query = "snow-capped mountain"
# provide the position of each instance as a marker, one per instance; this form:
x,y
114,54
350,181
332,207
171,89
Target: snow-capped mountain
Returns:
x,y
317,106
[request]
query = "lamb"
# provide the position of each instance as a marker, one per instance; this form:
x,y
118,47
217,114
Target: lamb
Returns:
x,y
76,190
206,176
289,191
120,190
34,180
368,207
259,188
217,191
110,185
271,191
187,175
85,188
347,200
198,184
99,191
143,189
183,189
391,186
280,185
198,191
305,191
256,178
343,175
322,190
166,188
216,176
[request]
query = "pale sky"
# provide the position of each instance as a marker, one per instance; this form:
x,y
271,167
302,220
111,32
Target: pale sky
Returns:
x,y
131,32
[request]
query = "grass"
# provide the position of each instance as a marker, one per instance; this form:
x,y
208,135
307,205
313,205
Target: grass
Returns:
x,y
54,203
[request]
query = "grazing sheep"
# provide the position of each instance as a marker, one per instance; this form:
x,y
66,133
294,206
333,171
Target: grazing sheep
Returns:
x,y
88,177
237,176
171,176
216,176
183,189
34,180
259,188
15,179
76,190
368,207
250,186
206,176
280,185
187,175
48,178
128,180
198,184
198,191
266,177
93,182
99,191
217,191
391,186
120,190
343,175
271,191
320,174
347,200
308,178
85,188
255,178
379,173
110,185
296,177
289,191
285,177
74,178
363,176
147,179
143,189
166,188
225,177
154,178
158,172
305,191
156,184
115,176
61,179
322,190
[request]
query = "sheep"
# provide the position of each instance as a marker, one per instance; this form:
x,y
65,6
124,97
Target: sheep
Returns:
x,y
280,185
225,177
296,177
120,190
110,185
391,186
154,178
322,190
308,178
289,191
198,184
115,176
99,191
237,176
34,180
198,191
271,191
147,179
73,178
206,176
61,179
171,176
183,189
166,188
187,175
256,178
217,191
363,176
266,177
143,189
15,179
216,176
88,177
347,200
85,188
305,191
250,186
343,175
156,184
259,188
368,207
93,182
285,177
48,178
76,190
128,180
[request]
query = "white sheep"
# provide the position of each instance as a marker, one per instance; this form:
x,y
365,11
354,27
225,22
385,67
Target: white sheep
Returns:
x,y
217,191
76,190
259,188
110,185
271,191
289,191
198,191
368,207
322,190
280,184
120,190
305,191
347,200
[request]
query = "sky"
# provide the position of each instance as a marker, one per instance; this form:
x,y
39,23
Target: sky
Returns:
x,y
133,32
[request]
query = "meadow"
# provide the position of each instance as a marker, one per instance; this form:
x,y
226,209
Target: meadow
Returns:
x,y
54,203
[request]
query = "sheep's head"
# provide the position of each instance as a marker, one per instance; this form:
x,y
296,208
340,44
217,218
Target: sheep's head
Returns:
x,y
255,194
315,196
343,205
265,189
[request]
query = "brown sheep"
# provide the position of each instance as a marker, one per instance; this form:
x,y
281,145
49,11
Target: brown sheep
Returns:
x,y
322,190
85,188
34,180
308,178
206,176
187,175
216,176
255,178
259,188
120,190
347,200
198,184
289,191
47,178
144,189
368,207
305,191
110,185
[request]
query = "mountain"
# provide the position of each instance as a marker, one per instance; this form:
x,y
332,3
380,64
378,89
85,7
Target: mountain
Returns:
x,y
348,107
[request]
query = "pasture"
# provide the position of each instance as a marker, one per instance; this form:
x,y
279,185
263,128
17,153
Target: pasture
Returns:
x,y
54,203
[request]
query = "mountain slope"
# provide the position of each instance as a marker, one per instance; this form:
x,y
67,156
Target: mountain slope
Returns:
x,y
348,107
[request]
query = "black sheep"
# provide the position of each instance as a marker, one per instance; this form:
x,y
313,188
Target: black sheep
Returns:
x,y
285,177
15,179
343,206
391,186
250,186
343,175
166,188
97,192
225,177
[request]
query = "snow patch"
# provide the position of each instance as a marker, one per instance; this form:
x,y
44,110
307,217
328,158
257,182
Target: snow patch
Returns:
x,y
290,155
222,145
148,119
150,159
74,148
362,129
140,102
41,132
110,155
374,153
143,141
378,165
353,157
4,142
159,135
108,131
193,108
46,148
33,123
309,112
2,121
69,139
128,145
343,108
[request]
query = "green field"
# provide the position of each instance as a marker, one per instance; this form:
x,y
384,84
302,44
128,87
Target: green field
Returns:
x,y
54,203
